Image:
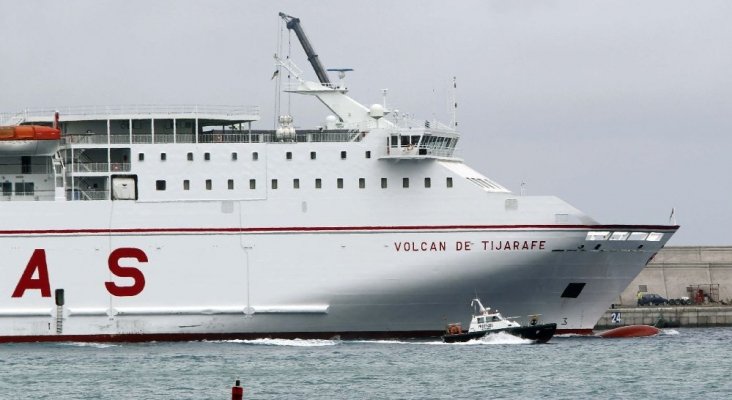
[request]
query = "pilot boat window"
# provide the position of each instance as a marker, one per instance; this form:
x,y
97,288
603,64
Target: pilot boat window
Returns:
x,y
405,182
449,182
340,183
252,184
343,155
190,156
481,320
427,182
160,185
231,184
362,183
209,184
383,183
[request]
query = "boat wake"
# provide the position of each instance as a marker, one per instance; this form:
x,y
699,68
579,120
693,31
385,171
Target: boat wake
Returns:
x,y
281,342
89,344
669,332
494,338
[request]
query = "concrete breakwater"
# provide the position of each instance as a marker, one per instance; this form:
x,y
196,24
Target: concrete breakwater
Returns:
x,y
682,316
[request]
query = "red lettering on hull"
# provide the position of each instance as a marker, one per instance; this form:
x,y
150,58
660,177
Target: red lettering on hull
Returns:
x,y
37,262
126,272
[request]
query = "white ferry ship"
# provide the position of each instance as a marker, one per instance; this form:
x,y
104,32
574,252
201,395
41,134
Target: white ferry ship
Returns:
x,y
180,223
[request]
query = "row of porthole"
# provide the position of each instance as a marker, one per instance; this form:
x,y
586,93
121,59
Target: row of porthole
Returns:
x,y
161,185
255,156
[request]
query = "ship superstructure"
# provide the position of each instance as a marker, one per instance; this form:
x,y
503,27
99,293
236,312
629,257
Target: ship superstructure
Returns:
x,y
184,222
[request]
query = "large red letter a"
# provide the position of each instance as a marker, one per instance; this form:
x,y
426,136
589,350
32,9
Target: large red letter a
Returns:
x,y
36,262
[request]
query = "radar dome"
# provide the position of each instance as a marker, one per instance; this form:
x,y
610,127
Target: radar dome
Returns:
x,y
376,111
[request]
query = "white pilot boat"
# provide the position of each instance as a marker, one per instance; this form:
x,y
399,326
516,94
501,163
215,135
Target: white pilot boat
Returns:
x,y
486,321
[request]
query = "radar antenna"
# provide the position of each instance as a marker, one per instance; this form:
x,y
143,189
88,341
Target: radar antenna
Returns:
x,y
294,24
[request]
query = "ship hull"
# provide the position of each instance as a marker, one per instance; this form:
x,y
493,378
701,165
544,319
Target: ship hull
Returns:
x,y
249,281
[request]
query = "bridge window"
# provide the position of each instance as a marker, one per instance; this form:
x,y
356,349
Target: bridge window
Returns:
x,y
160,185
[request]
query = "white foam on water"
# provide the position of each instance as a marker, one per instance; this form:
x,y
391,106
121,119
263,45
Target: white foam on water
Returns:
x,y
282,342
89,344
493,338
669,332
381,341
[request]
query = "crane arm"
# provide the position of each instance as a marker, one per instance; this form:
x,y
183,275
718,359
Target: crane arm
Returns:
x,y
294,24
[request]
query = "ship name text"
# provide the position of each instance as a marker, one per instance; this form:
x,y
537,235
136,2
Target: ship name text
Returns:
x,y
483,245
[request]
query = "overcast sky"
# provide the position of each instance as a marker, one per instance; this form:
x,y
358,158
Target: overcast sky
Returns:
x,y
622,108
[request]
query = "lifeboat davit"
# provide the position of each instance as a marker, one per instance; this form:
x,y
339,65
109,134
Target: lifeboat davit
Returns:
x,y
29,140
630,331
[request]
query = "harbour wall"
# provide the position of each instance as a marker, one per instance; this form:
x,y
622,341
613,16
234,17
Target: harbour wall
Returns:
x,y
676,272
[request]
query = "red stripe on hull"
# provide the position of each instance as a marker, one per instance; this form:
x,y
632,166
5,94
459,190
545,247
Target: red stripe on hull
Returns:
x,y
335,229
187,337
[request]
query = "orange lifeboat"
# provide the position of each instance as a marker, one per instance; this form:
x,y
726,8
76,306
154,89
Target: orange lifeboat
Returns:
x,y
29,140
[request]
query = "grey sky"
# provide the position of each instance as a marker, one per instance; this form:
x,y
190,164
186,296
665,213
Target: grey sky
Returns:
x,y
622,108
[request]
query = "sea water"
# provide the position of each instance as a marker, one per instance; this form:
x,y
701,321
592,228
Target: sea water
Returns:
x,y
678,364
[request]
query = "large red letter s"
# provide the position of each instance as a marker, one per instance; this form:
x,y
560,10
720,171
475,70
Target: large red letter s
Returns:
x,y
126,272
36,262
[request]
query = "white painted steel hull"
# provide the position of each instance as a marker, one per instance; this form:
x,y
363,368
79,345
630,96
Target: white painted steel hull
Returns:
x,y
213,274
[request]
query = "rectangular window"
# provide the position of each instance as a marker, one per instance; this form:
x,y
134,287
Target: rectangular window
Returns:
x,y
383,183
274,183
313,155
340,183
343,155
255,156
405,182
25,165
252,184
186,184
296,183
318,183
190,156
230,184
8,189
449,182
288,155
163,156
207,156
159,185
362,183
209,184
234,156
427,183
368,154
141,157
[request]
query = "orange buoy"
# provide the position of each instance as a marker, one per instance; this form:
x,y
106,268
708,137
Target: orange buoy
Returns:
x,y
630,331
